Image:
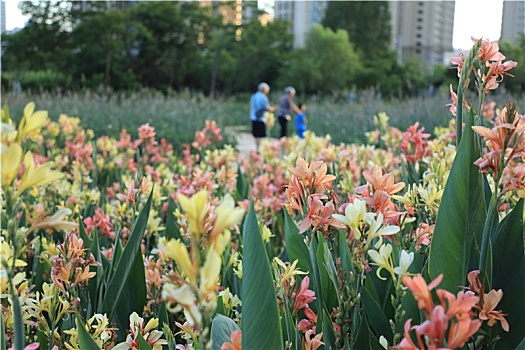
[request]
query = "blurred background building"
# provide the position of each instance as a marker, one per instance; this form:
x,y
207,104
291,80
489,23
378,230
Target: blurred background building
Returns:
x,y
302,16
513,23
423,29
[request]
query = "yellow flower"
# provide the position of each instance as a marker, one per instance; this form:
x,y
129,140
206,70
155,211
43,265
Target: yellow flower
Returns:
x,y
355,215
238,269
11,160
266,234
383,260
6,256
177,251
34,177
377,231
31,121
289,270
57,222
210,271
49,247
195,209
226,216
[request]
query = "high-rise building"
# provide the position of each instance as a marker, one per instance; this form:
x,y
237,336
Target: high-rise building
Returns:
x,y
2,16
302,16
234,11
423,29
513,22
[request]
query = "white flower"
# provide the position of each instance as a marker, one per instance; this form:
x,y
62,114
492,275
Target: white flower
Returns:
x,y
404,263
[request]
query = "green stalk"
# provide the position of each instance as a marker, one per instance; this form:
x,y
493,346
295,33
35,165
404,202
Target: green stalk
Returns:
x,y
459,113
19,324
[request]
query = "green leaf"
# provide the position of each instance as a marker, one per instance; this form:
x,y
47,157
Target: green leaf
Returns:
x,y
261,327
126,264
327,274
508,274
133,297
84,338
162,315
222,328
328,331
454,250
375,315
242,186
172,229
95,282
2,331
143,344
82,232
295,246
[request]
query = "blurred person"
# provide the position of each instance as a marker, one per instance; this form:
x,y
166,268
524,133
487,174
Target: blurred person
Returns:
x,y
286,106
259,105
301,121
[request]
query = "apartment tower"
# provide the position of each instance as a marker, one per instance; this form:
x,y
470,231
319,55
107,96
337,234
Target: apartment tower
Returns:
x,y
513,22
423,29
302,16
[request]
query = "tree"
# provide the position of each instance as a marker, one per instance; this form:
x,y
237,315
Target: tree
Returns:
x,y
367,24
516,53
338,63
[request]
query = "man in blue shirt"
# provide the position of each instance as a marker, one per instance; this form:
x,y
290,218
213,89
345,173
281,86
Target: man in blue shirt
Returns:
x,y
301,121
259,104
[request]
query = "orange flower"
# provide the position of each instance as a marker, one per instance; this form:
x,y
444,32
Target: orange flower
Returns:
x,y
460,332
382,182
236,342
421,291
490,301
489,51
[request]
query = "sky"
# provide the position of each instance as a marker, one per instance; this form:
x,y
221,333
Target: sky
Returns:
x,y
478,18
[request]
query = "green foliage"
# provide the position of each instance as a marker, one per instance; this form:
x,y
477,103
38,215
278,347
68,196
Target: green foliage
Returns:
x,y
126,291
461,217
221,329
260,316
508,274
84,338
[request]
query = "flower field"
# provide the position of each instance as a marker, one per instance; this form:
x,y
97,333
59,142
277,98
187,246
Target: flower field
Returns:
x,y
406,242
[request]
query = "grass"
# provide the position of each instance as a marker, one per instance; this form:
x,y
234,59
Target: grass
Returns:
x,y
176,118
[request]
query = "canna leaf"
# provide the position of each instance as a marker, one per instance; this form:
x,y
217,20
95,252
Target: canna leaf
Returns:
x,y
84,338
454,250
221,329
261,327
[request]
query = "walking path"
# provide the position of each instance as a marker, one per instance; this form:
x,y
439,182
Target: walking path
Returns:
x,y
245,141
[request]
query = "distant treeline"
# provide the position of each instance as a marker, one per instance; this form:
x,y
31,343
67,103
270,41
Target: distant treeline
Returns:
x,y
174,46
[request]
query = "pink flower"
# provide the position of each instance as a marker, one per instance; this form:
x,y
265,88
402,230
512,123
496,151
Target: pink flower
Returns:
x,y
304,296
421,291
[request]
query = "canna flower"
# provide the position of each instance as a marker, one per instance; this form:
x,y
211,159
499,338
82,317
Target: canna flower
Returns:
x,y
490,301
290,270
421,291
40,175
355,215
458,61
461,331
177,251
131,193
185,297
226,215
313,341
11,159
383,260
489,51
376,231
236,342
382,182
405,260
31,121
7,257
195,209
57,222
304,296
151,336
